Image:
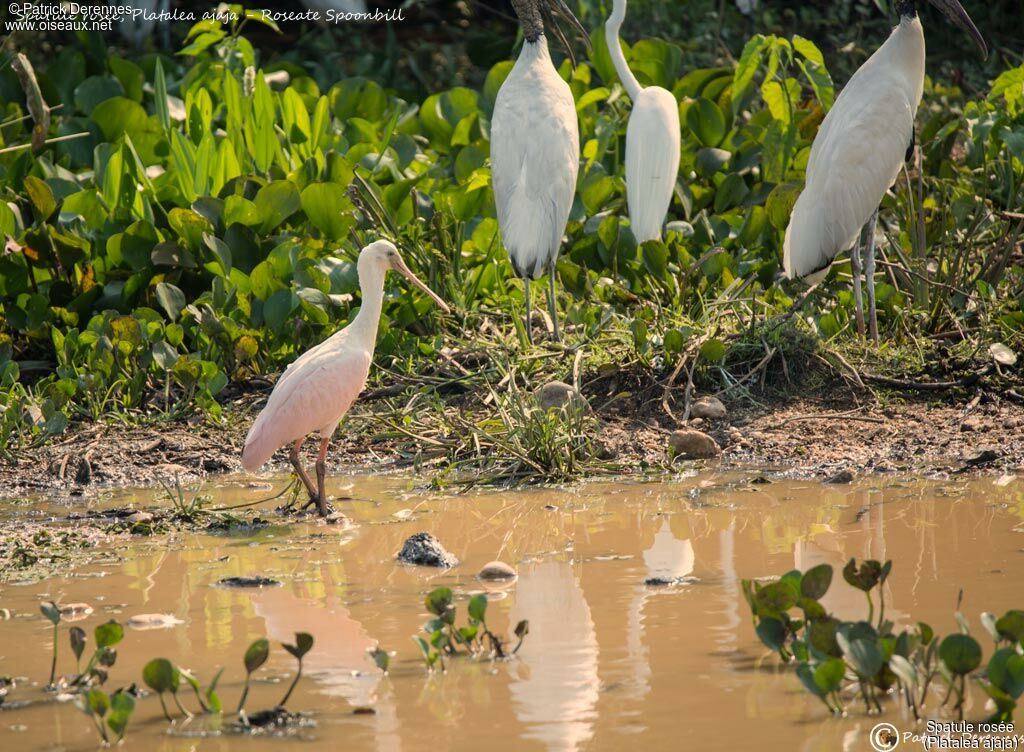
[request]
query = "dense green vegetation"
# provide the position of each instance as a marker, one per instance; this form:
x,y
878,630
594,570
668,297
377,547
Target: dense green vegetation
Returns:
x,y
192,221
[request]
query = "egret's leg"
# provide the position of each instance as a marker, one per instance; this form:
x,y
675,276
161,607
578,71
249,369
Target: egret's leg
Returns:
x,y
321,474
869,274
529,315
551,301
294,457
858,299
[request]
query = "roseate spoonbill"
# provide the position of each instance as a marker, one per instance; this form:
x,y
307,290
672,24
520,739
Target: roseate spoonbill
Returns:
x,y
857,154
535,152
315,392
652,141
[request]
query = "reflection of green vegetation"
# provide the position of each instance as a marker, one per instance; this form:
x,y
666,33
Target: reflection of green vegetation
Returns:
x,y
832,656
200,227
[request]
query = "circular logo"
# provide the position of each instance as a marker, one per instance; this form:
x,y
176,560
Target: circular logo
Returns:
x,y
884,737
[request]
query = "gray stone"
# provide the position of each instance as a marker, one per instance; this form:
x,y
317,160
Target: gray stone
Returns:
x,y
708,408
248,582
842,477
497,570
693,445
558,394
424,550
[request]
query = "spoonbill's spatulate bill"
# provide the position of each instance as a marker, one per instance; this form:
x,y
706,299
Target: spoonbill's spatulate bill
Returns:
x,y
535,152
858,153
652,141
315,392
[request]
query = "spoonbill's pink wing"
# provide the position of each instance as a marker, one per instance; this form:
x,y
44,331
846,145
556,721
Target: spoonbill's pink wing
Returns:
x,y
314,394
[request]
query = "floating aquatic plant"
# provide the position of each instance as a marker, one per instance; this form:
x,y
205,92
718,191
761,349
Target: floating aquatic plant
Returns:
x,y
303,644
255,657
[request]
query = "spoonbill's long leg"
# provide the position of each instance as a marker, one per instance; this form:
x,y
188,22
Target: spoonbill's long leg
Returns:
x,y
303,475
321,473
869,274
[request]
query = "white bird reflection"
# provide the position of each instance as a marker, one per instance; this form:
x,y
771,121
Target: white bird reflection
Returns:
x,y
555,684
338,660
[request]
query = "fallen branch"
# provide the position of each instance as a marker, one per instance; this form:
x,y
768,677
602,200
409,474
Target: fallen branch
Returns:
x,y
929,386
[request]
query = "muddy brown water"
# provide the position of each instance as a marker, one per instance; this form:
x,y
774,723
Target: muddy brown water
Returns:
x,y
610,663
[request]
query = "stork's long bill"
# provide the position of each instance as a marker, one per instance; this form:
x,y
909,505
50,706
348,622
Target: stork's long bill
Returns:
x,y
955,12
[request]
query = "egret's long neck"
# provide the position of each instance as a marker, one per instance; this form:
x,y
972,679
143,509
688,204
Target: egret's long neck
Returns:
x,y
611,28
371,288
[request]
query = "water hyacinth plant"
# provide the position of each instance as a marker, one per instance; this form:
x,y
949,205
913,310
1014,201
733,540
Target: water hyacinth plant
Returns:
x,y
445,638
835,659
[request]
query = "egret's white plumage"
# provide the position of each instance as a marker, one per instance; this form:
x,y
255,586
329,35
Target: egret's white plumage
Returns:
x,y
535,152
315,392
535,158
858,153
652,141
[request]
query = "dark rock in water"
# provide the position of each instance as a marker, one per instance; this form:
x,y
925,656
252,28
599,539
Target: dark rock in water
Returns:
x,y
982,456
424,550
842,477
657,581
248,582
497,570
364,711
274,721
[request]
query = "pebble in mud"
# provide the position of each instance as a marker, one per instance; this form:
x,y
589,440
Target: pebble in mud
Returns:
x,y
153,621
692,445
247,582
74,611
423,549
708,408
497,570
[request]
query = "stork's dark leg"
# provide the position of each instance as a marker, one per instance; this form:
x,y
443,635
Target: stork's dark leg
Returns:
x,y
858,298
321,473
869,274
529,314
551,301
303,475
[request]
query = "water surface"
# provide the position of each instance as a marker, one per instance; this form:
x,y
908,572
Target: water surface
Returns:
x,y
610,662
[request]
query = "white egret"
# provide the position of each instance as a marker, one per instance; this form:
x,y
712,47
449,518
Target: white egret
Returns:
x,y
652,141
315,392
535,152
858,152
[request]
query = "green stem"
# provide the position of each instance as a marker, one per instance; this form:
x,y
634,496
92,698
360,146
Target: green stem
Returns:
x,y
298,675
871,606
53,665
164,706
177,702
245,694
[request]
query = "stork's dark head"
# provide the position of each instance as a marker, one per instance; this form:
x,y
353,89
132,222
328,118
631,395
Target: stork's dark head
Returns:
x,y
955,12
534,13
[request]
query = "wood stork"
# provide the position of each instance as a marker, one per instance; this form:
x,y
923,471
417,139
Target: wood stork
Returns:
x,y
858,153
316,391
535,152
652,141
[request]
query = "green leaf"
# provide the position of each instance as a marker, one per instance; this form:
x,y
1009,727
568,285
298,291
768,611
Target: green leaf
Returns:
x,y
439,601
171,299
706,121
865,577
324,204
41,196
816,581
829,675
805,674
713,351
97,702
303,644
780,204
960,653
122,705
772,633
905,671
51,612
120,115
158,675
160,97
256,655
380,657
478,607
1006,671
1010,626
275,202
109,634
746,69
77,636
863,655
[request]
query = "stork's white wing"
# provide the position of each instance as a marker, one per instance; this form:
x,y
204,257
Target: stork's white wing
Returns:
x,y
652,160
535,148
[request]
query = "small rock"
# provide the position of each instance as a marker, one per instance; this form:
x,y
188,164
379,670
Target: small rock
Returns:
x,y
692,445
74,611
497,570
364,711
139,517
981,456
972,424
424,550
842,477
659,581
708,408
696,422
558,394
248,582
153,621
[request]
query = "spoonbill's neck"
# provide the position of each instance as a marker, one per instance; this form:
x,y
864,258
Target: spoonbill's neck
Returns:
x,y
371,288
